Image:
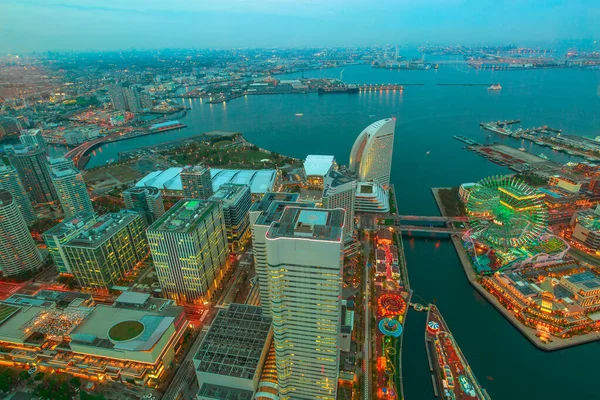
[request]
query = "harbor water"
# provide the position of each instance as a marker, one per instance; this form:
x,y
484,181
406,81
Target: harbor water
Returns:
x,y
428,117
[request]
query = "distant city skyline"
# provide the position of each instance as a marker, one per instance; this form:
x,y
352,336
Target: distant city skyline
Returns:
x,y
40,25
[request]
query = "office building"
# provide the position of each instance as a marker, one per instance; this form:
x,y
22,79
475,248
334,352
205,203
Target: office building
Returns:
x,y
60,163
305,260
371,197
262,214
132,342
32,165
196,182
340,192
33,137
9,180
189,249
145,200
18,252
235,200
108,250
62,233
71,191
81,134
231,356
371,155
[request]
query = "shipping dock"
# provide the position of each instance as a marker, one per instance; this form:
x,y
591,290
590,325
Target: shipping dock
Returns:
x,y
452,376
516,160
381,87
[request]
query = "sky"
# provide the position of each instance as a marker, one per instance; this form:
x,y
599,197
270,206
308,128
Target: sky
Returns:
x,y
81,25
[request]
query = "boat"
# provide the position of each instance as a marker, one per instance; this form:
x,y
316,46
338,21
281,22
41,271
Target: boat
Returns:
x,y
522,148
542,155
497,129
299,114
495,87
338,89
427,152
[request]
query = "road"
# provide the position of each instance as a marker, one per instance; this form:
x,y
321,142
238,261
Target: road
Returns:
x,y
185,374
367,318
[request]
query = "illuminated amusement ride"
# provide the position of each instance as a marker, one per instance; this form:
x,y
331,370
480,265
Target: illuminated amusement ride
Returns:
x,y
509,225
391,308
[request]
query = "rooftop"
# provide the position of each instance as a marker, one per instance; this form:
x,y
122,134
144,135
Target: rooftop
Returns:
x,y
230,193
105,227
6,198
276,208
183,216
269,197
63,172
318,165
260,181
235,342
585,281
313,223
68,225
148,190
218,392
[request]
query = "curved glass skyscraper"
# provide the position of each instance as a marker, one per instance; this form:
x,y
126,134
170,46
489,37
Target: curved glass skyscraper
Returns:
x,y
371,155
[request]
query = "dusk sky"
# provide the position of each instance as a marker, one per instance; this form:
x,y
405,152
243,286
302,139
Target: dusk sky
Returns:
x,y
38,25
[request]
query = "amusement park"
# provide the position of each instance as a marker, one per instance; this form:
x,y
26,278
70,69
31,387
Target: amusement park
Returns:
x,y
524,267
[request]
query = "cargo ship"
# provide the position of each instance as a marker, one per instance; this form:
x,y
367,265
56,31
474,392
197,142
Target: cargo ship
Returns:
x,y
338,89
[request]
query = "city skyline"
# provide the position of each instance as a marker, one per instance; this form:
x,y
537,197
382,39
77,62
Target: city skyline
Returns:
x,y
26,26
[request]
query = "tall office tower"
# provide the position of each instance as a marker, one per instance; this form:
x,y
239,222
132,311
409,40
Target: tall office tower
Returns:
x,y
60,163
305,252
32,166
196,182
189,249
133,98
371,155
108,250
60,234
9,180
235,200
340,192
33,137
145,200
71,190
117,97
18,252
262,214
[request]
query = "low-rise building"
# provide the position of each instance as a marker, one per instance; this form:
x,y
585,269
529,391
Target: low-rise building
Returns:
x,y
586,229
133,341
230,359
372,197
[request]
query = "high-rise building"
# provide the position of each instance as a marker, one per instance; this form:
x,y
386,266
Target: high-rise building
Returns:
x,y
71,190
371,155
108,250
125,97
262,214
133,98
18,252
196,182
305,252
189,249
117,97
146,100
33,137
60,163
235,200
32,165
9,180
62,233
145,200
340,192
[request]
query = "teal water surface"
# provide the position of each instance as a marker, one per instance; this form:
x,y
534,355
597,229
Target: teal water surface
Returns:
x,y
506,364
